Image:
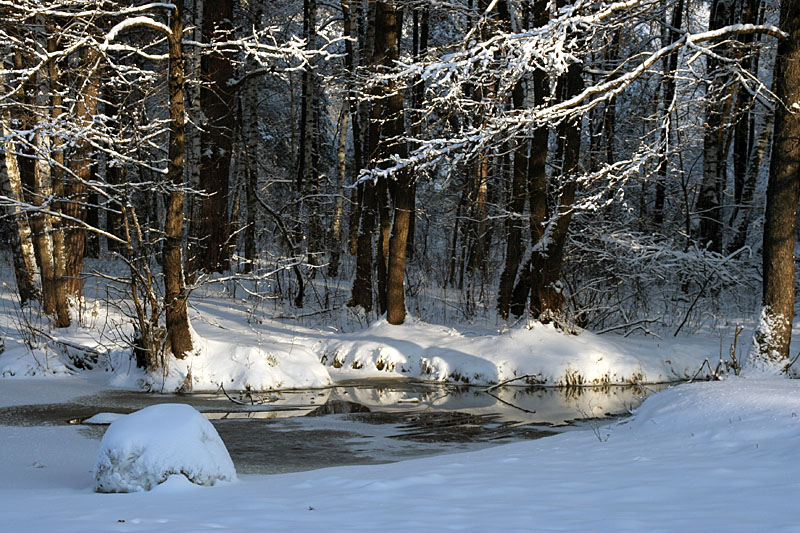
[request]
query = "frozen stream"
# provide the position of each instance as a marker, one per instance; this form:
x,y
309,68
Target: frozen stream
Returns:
x,y
359,422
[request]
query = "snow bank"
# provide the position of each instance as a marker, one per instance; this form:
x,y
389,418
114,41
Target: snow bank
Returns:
x,y
143,449
238,361
737,411
542,353
17,360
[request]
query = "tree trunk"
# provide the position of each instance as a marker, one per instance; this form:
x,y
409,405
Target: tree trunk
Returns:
x,y
25,267
515,222
115,175
179,338
341,177
252,160
350,31
770,350
668,97
757,153
308,179
49,242
536,179
718,105
216,140
362,284
83,168
546,298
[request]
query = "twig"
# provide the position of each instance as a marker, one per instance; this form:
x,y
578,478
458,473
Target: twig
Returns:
x,y
696,298
790,363
506,382
237,402
312,313
711,370
499,399
626,325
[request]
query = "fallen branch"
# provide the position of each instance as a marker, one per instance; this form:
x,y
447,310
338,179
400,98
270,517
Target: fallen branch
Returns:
x,y
67,344
628,325
228,396
506,382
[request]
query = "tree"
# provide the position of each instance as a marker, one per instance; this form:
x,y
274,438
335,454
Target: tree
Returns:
x,y
216,139
770,350
179,337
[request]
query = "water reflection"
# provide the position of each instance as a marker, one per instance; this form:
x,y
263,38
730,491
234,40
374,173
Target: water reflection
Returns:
x,y
358,422
524,405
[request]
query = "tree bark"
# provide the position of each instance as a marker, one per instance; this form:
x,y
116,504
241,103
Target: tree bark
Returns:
x,y
536,180
179,338
216,140
25,267
718,105
770,350
83,168
546,297
668,96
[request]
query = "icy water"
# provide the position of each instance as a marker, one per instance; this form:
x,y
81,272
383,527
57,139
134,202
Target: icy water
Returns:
x,y
360,422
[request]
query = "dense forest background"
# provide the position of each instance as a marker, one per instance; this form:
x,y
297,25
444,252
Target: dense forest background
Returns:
x,y
593,164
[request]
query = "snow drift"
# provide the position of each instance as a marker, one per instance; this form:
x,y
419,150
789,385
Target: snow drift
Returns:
x,y
143,449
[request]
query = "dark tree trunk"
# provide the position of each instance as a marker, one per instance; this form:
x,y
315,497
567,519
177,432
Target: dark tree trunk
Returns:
x,y
179,338
308,175
217,103
770,351
115,175
536,179
546,297
515,222
668,92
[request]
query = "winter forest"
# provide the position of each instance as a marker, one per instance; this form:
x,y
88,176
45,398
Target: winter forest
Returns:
x,y
286,194
595,165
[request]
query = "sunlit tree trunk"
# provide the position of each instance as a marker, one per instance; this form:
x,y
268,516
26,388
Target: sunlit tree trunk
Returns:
x,y
179,338
25,267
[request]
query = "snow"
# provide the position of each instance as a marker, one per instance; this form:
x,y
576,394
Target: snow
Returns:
x,y
239,350
542,352
103,419
246,362
703,456
143,449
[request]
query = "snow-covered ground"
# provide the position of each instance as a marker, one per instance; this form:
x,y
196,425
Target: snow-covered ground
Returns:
x,y
239,351
703,456
706,456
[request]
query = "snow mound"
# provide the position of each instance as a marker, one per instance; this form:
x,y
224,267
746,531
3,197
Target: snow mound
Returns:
x,y
539,354
242,362
713,412
143,449
102,419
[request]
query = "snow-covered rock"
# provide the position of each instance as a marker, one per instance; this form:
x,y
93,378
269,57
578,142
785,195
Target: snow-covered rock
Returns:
x,y
143,449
